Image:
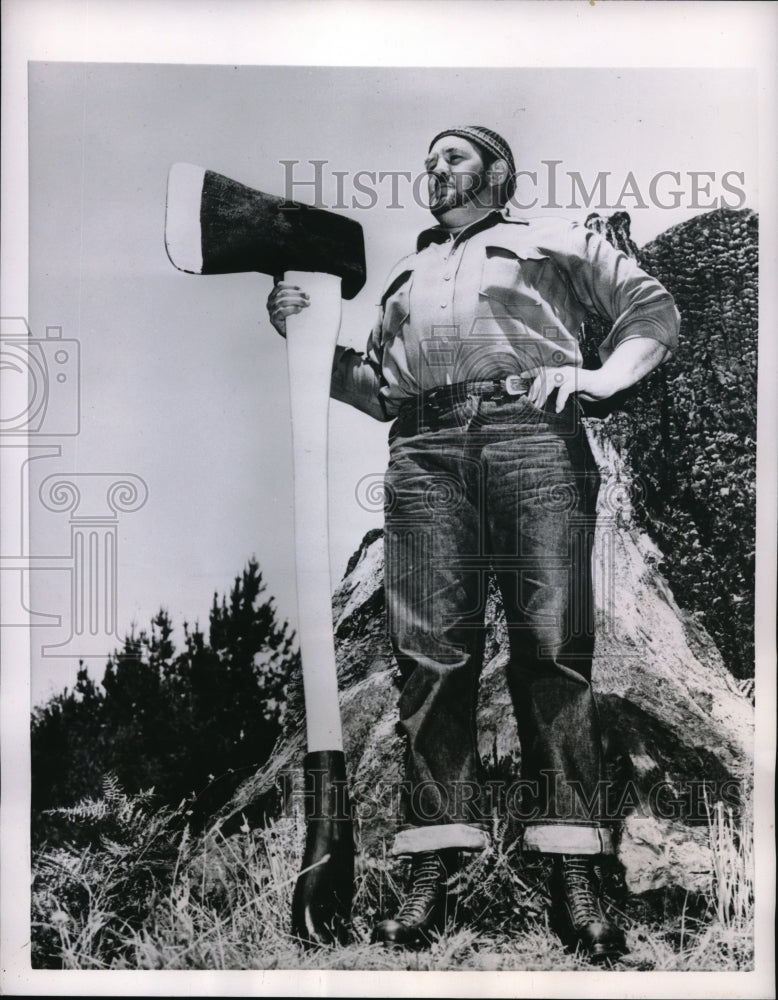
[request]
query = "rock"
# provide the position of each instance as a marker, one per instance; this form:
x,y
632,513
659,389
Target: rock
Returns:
x,y
689,430
654,659
656,853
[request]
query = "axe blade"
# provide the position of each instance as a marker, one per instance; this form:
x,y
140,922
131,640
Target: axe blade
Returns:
x,y
215,225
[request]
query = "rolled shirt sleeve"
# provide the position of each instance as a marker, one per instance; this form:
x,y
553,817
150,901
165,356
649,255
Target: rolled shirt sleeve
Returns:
x,y
612,285
356,379
507,295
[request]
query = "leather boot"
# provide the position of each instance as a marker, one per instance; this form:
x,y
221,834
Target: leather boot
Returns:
x,y
321,903
577,909
424,909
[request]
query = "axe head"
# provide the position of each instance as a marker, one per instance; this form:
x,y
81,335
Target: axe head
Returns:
x,y
215,225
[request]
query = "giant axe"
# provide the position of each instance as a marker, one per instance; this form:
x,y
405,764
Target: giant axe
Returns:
x,y
215,225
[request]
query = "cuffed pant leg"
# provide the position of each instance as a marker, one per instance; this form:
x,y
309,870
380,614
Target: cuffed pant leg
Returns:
x,y
440,837
436,580
567,838
542,490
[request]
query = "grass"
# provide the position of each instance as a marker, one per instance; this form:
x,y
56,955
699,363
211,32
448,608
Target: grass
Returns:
x,y
141,893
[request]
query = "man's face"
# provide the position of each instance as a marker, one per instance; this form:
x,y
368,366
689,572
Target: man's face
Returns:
x,y
455,173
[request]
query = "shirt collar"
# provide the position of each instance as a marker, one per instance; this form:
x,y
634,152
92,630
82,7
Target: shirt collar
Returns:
x,y
437,234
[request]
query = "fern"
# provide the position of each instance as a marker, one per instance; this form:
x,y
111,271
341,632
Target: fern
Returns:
x,y
87,898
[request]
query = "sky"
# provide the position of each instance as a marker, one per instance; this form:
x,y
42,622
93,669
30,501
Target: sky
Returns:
x,y
182,379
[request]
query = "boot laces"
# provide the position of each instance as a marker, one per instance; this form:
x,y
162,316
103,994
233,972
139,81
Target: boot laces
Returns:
x,y
427,875
581,896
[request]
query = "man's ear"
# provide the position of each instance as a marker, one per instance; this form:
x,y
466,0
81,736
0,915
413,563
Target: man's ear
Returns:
x,y
497,173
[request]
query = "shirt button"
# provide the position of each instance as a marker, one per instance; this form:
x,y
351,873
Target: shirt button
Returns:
x,y
447,277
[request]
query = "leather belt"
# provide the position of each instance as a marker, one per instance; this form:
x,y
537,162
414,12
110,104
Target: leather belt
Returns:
x,y
505,388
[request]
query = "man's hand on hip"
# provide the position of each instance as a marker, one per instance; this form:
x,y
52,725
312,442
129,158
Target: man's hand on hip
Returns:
x,y
632,360
586,383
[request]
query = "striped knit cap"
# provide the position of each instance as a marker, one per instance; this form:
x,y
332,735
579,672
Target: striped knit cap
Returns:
x,y
486,139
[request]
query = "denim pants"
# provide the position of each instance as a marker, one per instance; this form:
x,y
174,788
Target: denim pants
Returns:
x,y
505,487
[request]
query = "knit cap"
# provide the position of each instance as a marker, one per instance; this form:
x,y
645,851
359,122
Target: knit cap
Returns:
x,y
486,139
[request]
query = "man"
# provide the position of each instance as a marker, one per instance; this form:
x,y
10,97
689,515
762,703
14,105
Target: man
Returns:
x,y
475,357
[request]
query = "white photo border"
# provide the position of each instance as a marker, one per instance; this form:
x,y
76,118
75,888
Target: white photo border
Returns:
x,y
294,32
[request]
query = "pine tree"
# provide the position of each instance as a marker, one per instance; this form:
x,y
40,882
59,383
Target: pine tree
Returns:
x,y
67,740
191,724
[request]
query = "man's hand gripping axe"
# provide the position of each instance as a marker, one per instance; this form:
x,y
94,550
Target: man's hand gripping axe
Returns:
x,y
216,226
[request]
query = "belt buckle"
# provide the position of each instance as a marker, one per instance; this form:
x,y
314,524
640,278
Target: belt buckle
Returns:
x,y
431,402
513,385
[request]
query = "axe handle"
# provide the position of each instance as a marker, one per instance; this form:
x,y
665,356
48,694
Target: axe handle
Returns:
x,y
310,339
